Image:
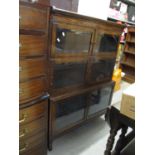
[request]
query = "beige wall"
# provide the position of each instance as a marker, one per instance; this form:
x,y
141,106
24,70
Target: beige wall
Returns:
x,y
94,8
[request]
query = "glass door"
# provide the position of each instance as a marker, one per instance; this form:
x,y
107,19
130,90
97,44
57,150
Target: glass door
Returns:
x,y
69,112
69,74
101,70
106,43
100,99
71,39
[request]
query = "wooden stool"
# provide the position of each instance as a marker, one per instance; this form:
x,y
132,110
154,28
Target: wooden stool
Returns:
x,y
116,122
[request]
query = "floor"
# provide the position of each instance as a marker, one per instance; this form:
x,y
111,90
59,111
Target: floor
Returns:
x,y
90,139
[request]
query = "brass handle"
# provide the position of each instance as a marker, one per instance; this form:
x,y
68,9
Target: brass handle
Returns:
x,y
24,148
24,133
23,119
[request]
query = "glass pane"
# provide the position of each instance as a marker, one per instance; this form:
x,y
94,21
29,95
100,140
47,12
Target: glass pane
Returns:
x,y
99,100
107,43
68,74
102,69
72,41
70,111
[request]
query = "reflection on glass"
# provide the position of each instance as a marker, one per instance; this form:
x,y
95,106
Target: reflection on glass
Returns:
x,y
107,43
102,69
70,111
100,99
72,41
68,74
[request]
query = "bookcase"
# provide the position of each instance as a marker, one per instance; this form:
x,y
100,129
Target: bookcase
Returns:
x,y
128,59
81,61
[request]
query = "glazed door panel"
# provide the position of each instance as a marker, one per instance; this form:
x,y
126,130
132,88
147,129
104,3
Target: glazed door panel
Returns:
x,y
71,39
69,112
69,74
100,99
102,70
106,43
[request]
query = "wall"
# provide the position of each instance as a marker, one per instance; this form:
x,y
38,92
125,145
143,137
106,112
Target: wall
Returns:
x,y
94,8
70,5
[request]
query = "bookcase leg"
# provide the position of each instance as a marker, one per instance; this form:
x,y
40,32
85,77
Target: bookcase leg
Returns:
x,y
50,147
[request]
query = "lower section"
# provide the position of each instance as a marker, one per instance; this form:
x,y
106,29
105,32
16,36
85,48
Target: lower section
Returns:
x,y
69,111
74,111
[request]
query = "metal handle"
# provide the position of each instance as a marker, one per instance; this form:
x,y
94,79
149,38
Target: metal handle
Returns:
x,y
23,119
24,148
24,133
33,1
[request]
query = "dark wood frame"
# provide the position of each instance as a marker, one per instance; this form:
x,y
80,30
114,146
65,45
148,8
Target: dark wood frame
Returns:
x,y
64,25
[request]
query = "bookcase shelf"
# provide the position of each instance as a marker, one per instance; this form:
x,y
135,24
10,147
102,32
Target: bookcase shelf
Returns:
x,y
127,64
128,60
129,52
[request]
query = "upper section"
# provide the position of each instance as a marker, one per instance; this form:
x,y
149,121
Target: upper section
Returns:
x,y
82,50
82,36
95,21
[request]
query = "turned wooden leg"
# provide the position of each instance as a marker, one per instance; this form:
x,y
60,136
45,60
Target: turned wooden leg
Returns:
x,y
121,141
110,141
